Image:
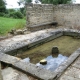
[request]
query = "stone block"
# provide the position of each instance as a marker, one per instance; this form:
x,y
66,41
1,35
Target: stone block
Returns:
x,y
8,59
55,50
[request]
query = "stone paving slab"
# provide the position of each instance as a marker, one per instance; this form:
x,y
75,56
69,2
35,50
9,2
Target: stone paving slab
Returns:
x,y
13,74
73,72
65,77
77,63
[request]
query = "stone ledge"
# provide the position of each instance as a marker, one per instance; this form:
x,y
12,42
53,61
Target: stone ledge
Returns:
x,y
71,32
48,23
13,44
33,70
8,59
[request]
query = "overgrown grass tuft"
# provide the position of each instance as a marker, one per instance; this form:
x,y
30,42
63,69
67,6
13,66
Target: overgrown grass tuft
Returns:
x,y
6,24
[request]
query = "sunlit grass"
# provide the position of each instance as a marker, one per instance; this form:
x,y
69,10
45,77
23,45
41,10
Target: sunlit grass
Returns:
x,y
6,24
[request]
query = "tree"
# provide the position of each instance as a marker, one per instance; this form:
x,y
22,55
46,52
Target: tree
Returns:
x,y
55,1
24,1
47,1
2,6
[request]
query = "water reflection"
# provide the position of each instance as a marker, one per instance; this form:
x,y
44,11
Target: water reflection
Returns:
x,y
26,59
52,62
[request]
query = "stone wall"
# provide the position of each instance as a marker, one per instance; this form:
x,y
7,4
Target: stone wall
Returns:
x,y
67,15
39,14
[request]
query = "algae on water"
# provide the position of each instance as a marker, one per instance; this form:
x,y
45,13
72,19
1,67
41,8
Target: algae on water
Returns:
x,y
66,44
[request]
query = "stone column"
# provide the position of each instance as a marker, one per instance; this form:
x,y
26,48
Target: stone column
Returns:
x,y
0,72
55,50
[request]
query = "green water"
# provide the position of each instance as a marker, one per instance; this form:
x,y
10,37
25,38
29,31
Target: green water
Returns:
x,y
67,45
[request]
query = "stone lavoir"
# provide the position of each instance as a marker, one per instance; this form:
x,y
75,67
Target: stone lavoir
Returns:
x,y
42,16
15,45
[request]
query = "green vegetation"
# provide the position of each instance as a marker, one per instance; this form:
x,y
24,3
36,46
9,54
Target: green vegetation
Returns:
x,y
47,1
67,45
2,6
6,24
14,13
11,13
17,13
56,1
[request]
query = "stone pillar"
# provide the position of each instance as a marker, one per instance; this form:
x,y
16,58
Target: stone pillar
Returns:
x,y
0,72
55,50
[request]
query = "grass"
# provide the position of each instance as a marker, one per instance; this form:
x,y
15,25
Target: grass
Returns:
x,y
67,45
6,24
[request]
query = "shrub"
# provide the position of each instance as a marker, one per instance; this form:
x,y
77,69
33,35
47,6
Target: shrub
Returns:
x,y
6,15
17,15
2,14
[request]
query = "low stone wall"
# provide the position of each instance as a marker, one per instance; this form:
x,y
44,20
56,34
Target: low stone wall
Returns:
x,y
28,41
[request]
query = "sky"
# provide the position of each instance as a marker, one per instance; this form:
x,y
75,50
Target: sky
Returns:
x,y
14,4
77,1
